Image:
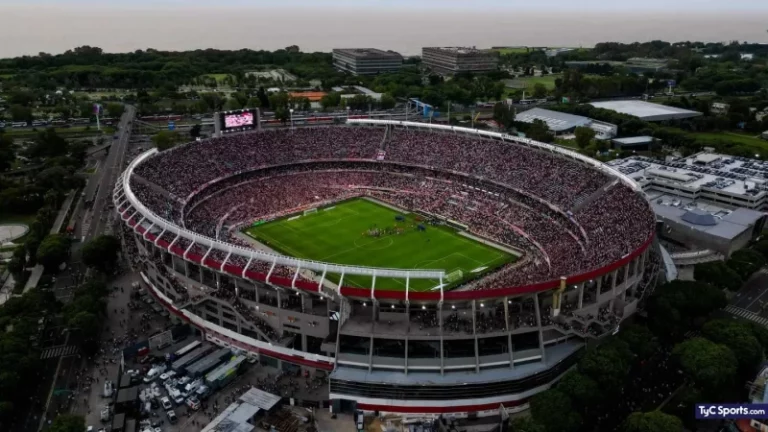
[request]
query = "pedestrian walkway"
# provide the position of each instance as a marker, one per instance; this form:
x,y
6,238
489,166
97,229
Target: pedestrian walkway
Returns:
x,y
58,351
743,313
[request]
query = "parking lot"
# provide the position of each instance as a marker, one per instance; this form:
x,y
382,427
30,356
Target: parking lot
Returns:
x,y
132,318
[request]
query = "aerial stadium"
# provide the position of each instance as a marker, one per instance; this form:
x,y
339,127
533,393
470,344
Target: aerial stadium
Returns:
x,y
427,269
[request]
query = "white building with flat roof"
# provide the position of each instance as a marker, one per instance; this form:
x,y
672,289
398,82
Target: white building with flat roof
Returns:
x,y
646,110
706,200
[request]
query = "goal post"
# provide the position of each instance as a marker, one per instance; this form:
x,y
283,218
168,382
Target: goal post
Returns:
x,y
454,276
310,211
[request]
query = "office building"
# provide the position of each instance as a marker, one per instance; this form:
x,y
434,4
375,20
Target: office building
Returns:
x,y
366,61
452,60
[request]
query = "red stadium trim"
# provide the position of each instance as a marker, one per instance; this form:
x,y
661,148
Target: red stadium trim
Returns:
x,y
411,409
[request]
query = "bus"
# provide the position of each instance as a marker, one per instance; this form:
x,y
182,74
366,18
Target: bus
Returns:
x,y
187,349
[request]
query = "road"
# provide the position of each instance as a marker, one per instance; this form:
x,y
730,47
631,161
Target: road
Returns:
x,y
110,169
753,294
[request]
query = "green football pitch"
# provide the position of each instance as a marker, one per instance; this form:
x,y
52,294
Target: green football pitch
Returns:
x,y
339,234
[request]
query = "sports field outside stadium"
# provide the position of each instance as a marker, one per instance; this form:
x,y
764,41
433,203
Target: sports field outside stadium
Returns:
x,y
344,234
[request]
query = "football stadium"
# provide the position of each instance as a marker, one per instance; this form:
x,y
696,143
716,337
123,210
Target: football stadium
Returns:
x,y
426,269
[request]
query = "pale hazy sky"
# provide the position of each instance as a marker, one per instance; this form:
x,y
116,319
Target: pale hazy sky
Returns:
x,y
31,26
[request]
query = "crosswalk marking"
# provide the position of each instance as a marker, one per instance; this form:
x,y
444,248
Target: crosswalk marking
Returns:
x,y
58,351
743,313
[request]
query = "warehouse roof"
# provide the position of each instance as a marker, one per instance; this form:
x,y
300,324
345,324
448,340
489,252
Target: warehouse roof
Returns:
x,y
633,141
556,121
646,110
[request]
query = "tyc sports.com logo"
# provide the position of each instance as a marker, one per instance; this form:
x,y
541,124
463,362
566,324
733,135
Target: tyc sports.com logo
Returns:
x,y
731,411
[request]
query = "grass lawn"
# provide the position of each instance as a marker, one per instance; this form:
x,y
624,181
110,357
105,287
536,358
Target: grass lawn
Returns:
x,y
218,77
737,137
515,50
529,82
74,130
338,234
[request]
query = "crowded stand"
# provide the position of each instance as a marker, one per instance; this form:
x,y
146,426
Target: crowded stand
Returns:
x,y
520,197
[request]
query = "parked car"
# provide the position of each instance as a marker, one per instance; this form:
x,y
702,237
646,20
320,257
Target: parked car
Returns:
x,y
166,375
109,388
193,403
171,416
166,403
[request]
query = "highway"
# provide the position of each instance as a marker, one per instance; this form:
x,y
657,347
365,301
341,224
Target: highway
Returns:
x,y
107,175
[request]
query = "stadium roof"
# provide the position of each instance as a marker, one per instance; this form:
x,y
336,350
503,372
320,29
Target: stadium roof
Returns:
x,y
646,110
555,120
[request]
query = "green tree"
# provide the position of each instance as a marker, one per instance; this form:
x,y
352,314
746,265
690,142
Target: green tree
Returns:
x,y
546,403
709,365
194,131
584,136
166,139
57,178
240,99
212,101
654,421
639,339
49,144
101,253
87,323
746,262
607,364
737,336
539,91
387,101
539,131
582,389
7,152
278,101
762,247
526,424
21,113
253,102
53,250
331,100
115,109
680,306
67,423
504,116
718,274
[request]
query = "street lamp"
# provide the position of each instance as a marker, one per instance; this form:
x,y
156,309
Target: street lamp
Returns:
x,y
347,112
291,111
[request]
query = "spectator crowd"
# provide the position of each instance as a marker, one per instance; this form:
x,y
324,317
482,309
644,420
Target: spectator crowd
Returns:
x,y
568,217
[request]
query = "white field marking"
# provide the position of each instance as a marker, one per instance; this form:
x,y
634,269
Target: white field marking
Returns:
x,y
284,247
478,270
470,259
293,218
329,208
356,247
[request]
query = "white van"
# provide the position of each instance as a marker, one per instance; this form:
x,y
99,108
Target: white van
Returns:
x,y
154,373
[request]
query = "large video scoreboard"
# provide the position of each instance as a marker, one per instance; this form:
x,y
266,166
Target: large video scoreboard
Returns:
x,y
238,120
